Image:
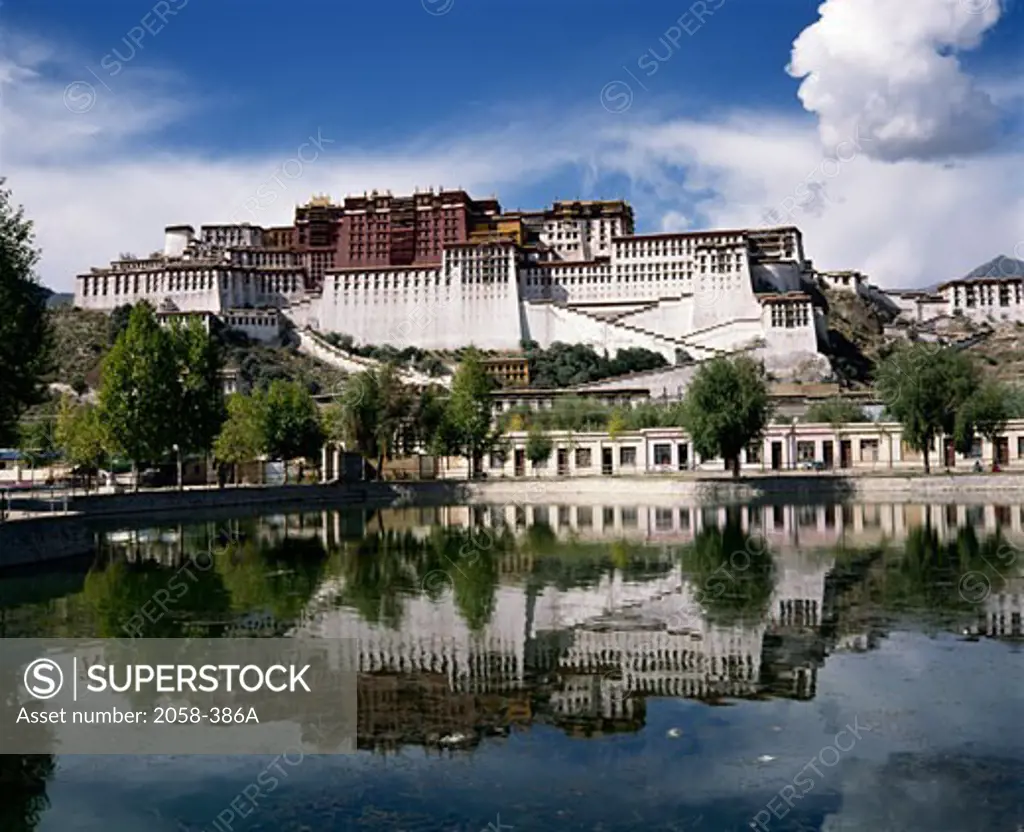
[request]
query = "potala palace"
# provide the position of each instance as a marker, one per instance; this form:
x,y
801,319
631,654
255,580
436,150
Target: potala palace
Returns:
x,y
440,270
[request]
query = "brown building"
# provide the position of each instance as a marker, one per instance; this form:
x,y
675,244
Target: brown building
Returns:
x,y
379,229
508,370
316,236
280,237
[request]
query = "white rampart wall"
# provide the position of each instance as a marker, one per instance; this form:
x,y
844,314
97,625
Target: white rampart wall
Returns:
x,y
316,347
730,336
190,292
724,296
474,301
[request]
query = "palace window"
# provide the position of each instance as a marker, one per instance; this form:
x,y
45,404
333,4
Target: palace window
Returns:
x,y
805,451
627,456
583,457
663,454
663,519
754,453
869,450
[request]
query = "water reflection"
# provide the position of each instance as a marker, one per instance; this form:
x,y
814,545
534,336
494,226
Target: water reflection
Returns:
x,y
482,621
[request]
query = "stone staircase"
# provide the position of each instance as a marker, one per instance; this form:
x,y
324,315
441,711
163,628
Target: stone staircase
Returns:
x,y
695,352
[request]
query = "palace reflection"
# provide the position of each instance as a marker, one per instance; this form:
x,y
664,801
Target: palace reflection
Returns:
x,y
468,621
586,657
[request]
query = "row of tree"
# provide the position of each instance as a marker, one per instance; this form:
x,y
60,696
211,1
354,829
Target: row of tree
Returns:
x,y
380,417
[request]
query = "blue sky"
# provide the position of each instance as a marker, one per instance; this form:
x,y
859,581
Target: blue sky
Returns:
x,y
897,146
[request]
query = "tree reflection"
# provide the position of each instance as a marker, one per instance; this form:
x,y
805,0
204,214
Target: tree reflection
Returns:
x,y
944,576
147,599
378,571
23,777
277,579
471,556
733,570
382,569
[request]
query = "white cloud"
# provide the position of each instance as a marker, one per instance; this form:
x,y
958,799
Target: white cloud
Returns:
x,y
674,221
904,224
103,182
888,70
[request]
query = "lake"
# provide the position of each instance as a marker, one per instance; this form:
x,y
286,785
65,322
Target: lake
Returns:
x,y
577,667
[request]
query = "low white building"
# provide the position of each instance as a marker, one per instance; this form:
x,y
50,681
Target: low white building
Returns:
x,y
865,446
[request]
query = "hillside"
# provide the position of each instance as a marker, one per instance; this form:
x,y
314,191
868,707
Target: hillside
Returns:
x,y
856,339
1001,354
80,341
82,337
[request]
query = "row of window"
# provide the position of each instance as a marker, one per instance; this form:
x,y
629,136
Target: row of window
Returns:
x,y
251,320
170,283
679,245
790,316
989,295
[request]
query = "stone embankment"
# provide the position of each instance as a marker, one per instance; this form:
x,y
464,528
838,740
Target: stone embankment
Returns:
x,y
812,488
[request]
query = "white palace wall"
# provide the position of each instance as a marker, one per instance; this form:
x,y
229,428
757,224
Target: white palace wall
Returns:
x,y
423,307
547,323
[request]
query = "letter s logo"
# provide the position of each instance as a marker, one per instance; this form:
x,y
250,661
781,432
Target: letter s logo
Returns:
x,y
43,678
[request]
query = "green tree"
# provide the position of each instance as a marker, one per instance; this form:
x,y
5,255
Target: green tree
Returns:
x,y
726,408
36,442
427,415
25,334
139,390
372,414
118,322
927,390
81,437
467,424
292,423
242,437
539,446
986,412
835,411
200,411
394,404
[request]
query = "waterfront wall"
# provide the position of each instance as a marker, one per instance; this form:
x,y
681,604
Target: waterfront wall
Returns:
x,y
284,496
27,542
